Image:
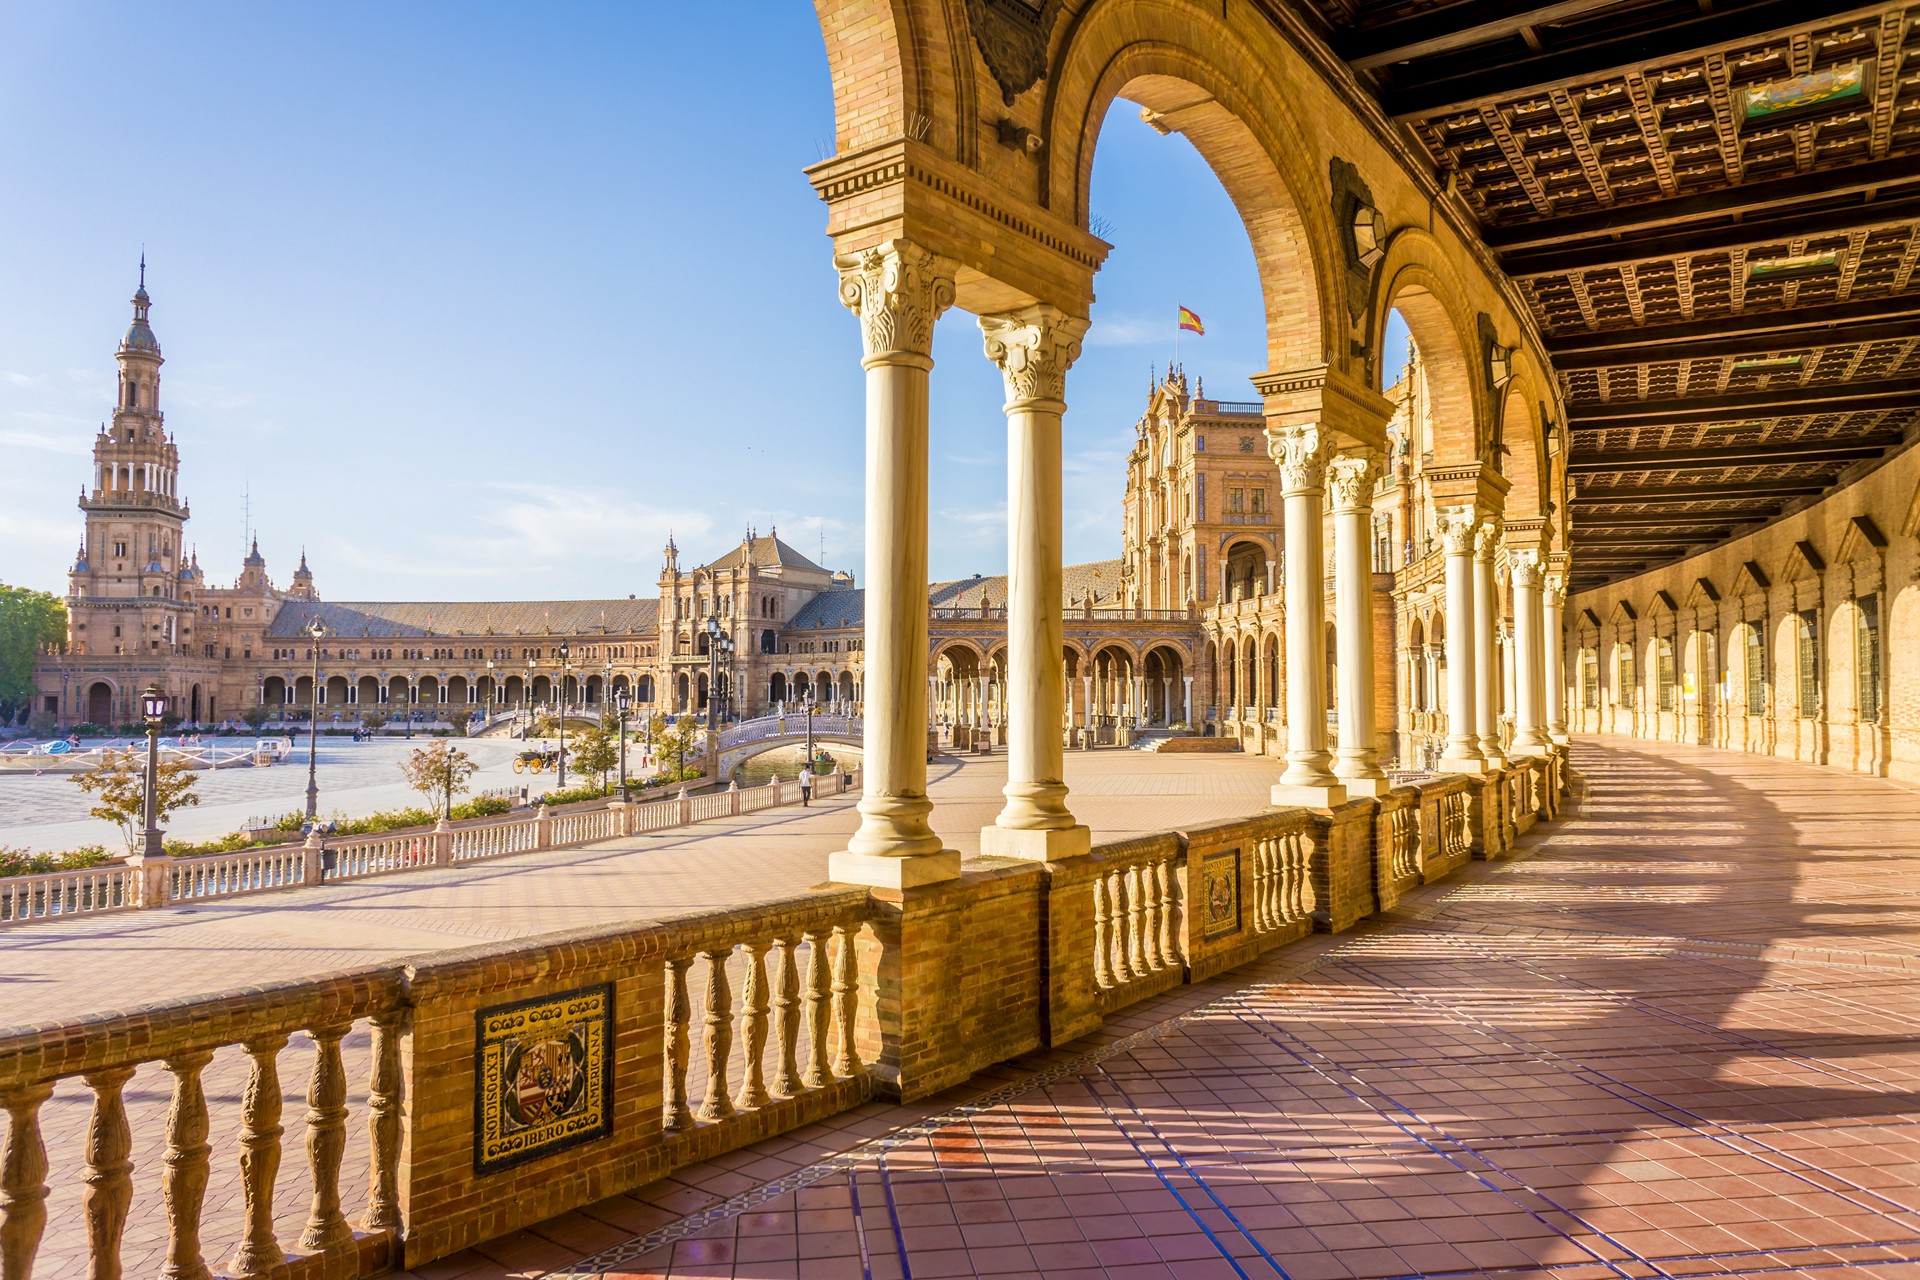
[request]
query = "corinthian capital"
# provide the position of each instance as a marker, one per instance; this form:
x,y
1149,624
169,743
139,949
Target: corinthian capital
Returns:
x,y
1486,538
1527,570
1556,591
1457,525
1350,480
1301,453
898,290
1034,348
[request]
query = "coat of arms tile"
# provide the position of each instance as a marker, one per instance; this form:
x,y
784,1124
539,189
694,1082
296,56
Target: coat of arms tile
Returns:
x,y
543,1076
1220,893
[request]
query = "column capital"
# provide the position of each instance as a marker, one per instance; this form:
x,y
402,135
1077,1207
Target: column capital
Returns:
x,y
1486,539
1301,453
898,290
1527,572
1350,480
1556,589
1457,527
1034,347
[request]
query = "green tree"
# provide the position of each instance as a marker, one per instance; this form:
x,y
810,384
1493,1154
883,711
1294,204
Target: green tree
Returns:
x,y
373,719
439,772
598,751
119,781
257,717
677,742
29,621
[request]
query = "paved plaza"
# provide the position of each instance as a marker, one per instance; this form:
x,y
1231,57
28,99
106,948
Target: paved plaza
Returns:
x,y
1678,1038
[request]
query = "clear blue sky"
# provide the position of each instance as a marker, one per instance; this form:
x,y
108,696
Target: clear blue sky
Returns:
x,y
480,300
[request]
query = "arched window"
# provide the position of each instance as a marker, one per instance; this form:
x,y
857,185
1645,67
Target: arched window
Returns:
x,y
1807,628
1664,675
1756,661
1867,657
1626,682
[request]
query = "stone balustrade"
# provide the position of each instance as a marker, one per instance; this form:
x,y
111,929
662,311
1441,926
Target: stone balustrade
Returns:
x,y
651,1046
224,875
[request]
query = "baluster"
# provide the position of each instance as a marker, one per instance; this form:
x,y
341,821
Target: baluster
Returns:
x,y
715,1105
23,1181
1102,942
753,1030
1260,907
846,1060
383,1128
1163,872
260,1134
326,1142
1149,920
1117,926
786,1023
184,1184
109,1171
679,1046
818,1011
1297,855
1135,962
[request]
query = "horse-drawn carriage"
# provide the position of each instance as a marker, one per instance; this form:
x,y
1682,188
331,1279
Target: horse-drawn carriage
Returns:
x,y
533,760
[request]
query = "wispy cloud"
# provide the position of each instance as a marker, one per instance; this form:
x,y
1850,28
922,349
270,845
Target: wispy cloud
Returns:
x,y
71,443
1129,331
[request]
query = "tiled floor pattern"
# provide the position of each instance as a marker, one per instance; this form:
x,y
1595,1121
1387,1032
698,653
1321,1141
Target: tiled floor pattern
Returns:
x,y
1682,1038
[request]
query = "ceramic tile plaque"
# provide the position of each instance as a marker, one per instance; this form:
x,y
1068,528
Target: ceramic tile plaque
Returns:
x,y
1220,894
543,1073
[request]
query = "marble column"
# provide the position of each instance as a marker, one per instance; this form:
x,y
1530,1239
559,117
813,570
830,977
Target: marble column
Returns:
x,y
1086,699
1301,452
1529,729
1034,349
1186,700
1356,762
1486,674
1553,646
1457,526
897,289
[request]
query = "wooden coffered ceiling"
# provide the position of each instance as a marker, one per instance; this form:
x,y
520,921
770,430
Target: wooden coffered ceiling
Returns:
x,y
1712,208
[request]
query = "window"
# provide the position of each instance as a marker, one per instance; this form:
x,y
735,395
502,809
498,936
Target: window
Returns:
x,y
1808,629
1626,682
1867,657
1590,678
1664,673
120,548
1756,663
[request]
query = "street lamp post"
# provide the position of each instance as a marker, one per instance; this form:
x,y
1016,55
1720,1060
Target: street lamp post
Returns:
x,y
316,632
526,700
153,704
565,667
713,666
621,704
493,688
810,706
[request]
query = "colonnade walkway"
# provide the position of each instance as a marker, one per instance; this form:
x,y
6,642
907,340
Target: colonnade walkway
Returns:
x,y
1678,1035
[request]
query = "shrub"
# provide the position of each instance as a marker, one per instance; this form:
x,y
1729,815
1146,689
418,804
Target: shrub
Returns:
x,y
19,862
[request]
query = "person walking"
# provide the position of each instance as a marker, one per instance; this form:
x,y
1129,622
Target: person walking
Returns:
x,y
806,785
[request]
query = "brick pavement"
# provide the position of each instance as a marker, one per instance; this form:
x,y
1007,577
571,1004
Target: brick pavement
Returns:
x,y
54,968
1681,1037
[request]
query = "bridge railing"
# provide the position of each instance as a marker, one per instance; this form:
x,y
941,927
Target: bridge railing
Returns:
x,y
761,728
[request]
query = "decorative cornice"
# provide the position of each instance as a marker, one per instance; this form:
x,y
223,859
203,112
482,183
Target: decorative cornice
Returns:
x,y
1034,348
898,290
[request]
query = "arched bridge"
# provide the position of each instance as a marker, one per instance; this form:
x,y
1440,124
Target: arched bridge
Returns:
x,y
750,738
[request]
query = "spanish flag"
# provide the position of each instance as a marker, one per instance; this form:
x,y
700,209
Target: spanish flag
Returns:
x,y
1191,322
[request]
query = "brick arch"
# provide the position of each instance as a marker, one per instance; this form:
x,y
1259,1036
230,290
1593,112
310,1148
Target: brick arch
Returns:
x,y
1417,280
1525,464
1230,102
